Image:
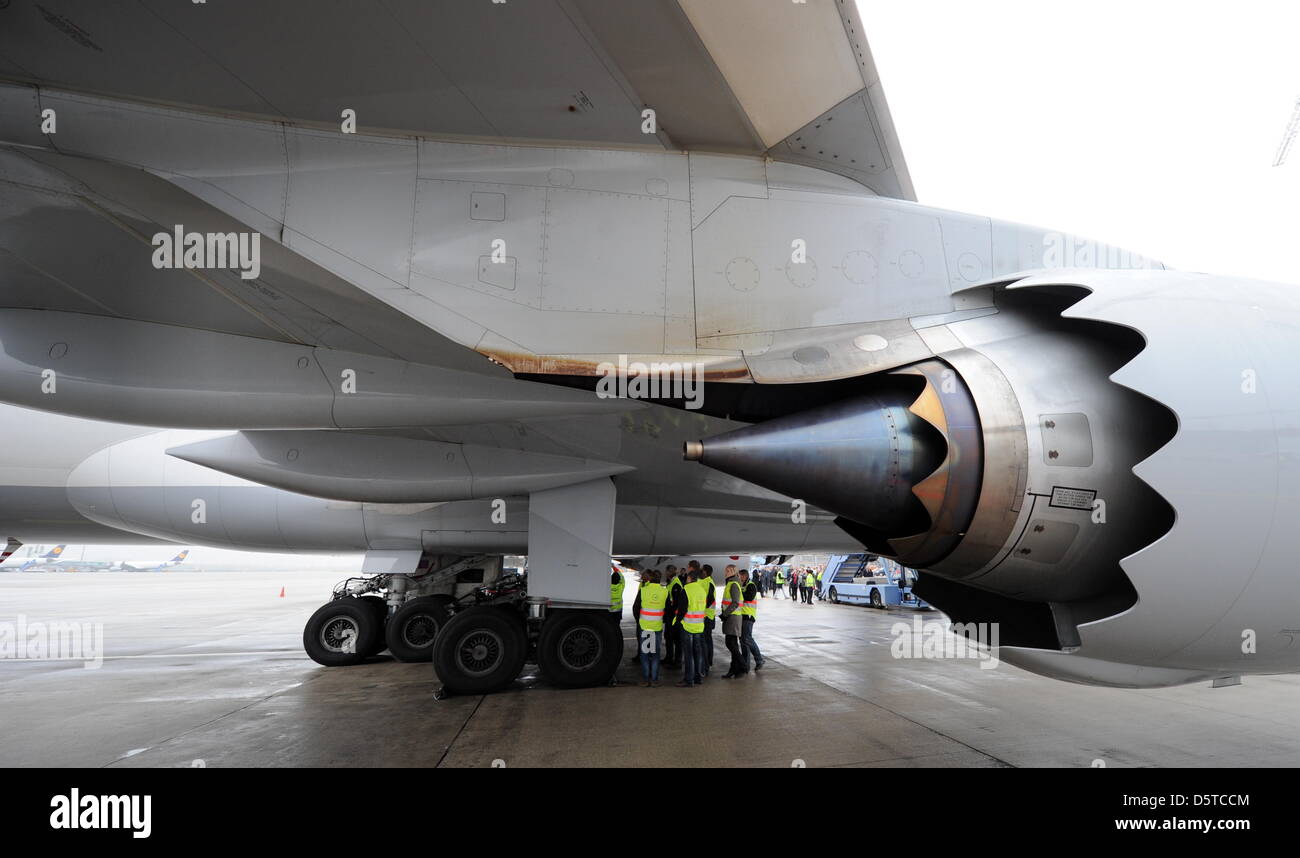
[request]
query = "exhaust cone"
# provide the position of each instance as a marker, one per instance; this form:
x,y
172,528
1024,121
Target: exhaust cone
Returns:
x,y
858,458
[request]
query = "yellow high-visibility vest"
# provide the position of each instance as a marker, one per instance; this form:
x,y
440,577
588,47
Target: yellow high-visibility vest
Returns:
x,y
616,593
730,597
750,608
710,611
653,599
694,620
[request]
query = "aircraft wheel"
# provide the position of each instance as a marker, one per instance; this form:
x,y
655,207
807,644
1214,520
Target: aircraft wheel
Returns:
x,y
479,650
379,605
413,627
342,632
579,649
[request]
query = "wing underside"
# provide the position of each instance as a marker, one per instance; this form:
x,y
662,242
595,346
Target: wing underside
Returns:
x,y
792,80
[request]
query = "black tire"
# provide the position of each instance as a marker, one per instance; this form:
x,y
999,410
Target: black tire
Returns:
x,y
343,632
480,650
835,596
379,605
876,600
579,649
413,628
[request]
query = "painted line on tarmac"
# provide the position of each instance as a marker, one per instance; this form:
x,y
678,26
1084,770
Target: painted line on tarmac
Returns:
x,y
162,655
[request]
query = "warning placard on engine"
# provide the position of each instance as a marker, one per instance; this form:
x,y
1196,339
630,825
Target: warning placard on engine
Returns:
x,y
1069,498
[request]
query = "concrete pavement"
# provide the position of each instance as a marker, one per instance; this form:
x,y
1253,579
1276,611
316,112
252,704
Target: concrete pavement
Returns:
x,y
209,667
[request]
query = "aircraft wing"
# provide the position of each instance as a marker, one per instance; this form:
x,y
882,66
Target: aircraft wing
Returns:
x,y
792,80
51,204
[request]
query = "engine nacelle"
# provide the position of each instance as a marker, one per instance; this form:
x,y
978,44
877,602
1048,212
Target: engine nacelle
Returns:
x,y
1121,506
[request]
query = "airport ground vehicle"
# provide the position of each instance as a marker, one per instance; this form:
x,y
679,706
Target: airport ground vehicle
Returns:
x,y
472,617
867,579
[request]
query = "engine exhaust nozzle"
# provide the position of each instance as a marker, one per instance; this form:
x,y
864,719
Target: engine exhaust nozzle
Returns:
x,y
858,458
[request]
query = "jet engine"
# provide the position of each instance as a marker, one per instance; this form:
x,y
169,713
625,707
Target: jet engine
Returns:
x,y
1105,466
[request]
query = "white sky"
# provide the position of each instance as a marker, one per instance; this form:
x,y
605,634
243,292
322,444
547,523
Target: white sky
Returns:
x,y
1150,124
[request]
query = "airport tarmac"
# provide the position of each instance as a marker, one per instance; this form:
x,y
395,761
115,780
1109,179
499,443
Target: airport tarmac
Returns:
x,y
206,668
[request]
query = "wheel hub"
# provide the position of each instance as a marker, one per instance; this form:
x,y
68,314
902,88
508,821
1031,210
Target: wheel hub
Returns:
x,y
480,652
420,631
580,648
339,634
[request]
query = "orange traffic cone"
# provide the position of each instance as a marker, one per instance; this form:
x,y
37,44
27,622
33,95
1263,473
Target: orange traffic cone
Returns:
x,y
281,592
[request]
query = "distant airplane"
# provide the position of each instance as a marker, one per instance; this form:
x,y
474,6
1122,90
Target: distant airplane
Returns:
x,y
49,558
152,565
50,562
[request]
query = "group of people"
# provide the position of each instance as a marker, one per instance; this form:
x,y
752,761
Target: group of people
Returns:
x,y
802,584
676,613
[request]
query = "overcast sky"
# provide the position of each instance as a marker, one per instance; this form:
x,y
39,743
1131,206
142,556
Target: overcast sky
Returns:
x,y
1148,124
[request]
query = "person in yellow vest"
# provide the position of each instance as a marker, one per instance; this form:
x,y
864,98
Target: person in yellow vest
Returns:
x,y
710,614
749,616
693,631
672,642
780,581
648,609
809,585
616,584
732,597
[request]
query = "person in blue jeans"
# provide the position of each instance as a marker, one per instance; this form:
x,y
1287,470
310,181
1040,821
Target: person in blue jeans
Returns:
x,y
749,609
710,622
648,610
692,625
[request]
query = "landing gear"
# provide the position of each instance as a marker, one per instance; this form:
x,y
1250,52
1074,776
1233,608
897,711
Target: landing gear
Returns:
x,y
478,624
412,628
343,632
480,649
579,649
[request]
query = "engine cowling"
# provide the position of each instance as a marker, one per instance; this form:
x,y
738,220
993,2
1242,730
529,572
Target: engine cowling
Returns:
x,y
1120,510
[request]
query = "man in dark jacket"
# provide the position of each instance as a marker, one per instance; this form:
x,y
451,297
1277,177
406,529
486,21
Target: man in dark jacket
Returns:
x,y
674,613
